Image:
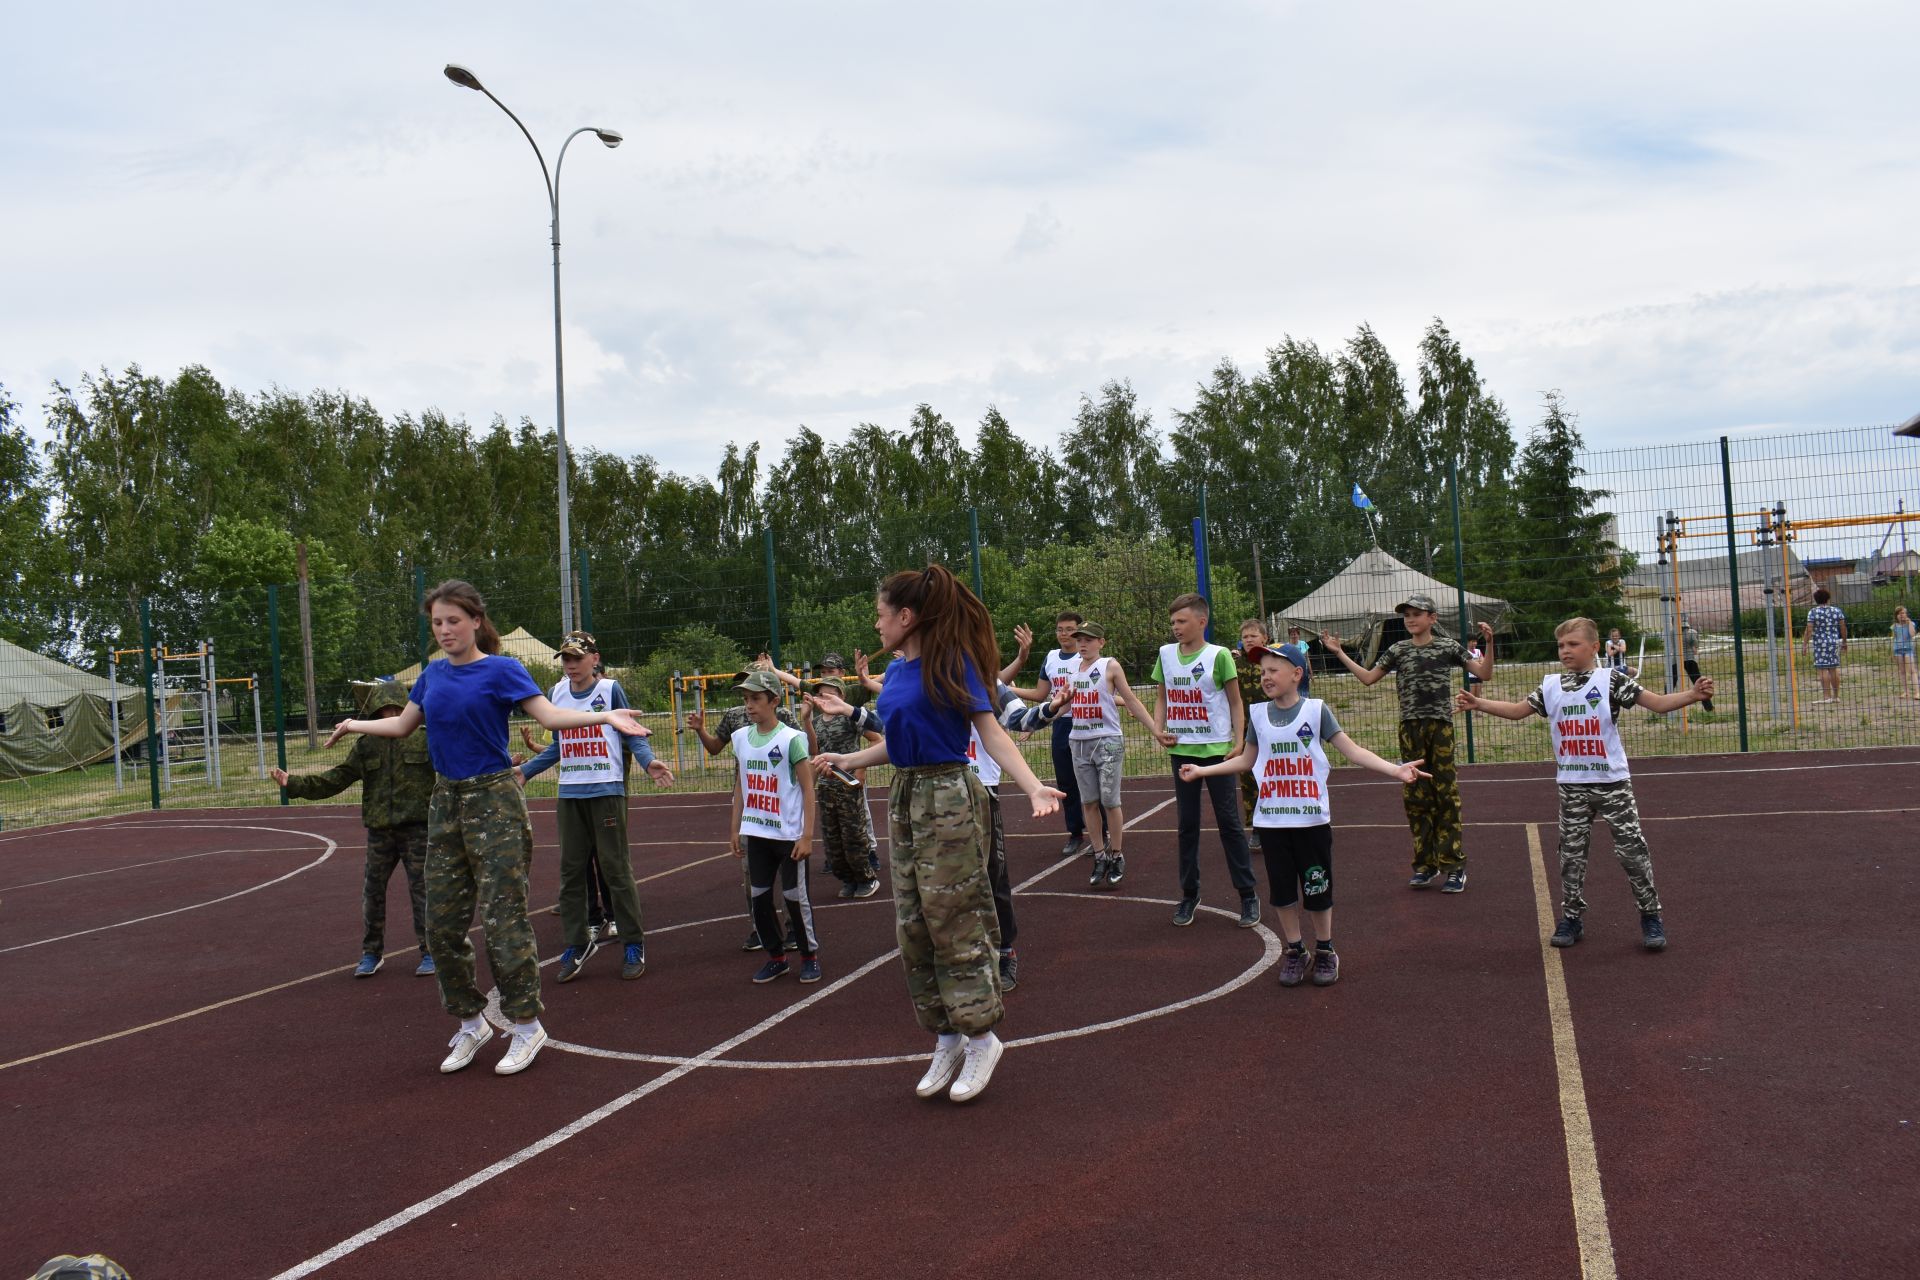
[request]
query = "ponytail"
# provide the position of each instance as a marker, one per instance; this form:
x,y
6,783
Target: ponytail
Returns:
x,y
952,626
465,597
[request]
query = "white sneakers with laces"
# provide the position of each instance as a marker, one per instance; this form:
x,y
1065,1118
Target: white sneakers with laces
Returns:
x,y
521,1048
941,1071
982,1054
465,1044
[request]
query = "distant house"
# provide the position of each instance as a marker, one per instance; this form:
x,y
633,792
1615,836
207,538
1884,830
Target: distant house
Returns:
x,y
1705,591
1825,570
1894,564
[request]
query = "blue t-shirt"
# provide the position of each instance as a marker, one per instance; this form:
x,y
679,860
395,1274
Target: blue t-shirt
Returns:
x,y
921,732
466,707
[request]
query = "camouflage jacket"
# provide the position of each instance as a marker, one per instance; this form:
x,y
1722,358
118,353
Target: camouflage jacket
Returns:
x,y
1421,673
396,778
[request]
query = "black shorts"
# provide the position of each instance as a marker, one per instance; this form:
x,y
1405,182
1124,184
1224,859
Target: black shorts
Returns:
x,y
1299,865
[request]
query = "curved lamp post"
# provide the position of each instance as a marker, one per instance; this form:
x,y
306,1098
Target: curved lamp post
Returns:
x,y
612,138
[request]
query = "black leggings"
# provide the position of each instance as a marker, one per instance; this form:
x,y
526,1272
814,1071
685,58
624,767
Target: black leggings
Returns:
x,y
768,860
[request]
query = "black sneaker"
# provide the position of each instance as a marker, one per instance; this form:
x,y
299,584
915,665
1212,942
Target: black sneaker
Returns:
x,y
753,942
1249,912
1009,971
1567,932
1653,934
1421,879
1295,965
633,962
1116,868
1072,848
846,890
772,969
1098,878
1456,881
573,958
1183,914
866,889
1326,967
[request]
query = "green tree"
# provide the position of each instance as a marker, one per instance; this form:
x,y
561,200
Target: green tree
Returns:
x,y
1114,471
29,610
687,650
235,563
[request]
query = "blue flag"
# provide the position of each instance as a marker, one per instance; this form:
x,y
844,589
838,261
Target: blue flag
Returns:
x,y
1360,499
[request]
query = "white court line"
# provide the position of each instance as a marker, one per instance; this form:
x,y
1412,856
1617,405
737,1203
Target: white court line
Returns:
x,y
157,862
581,1125
1640,772
158,915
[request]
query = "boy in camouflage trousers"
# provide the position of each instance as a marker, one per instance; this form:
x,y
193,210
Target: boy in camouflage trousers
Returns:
x,y
1420,664
396,781
846,824
1582,705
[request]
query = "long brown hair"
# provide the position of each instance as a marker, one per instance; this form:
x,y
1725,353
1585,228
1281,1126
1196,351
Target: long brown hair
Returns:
x,y
466,597
952,626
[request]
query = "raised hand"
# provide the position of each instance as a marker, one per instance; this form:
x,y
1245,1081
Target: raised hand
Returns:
x,y
829,703
696,722
1330,641
1023,636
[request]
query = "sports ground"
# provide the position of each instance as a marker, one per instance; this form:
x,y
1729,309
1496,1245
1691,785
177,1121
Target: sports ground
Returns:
x,y
195,1086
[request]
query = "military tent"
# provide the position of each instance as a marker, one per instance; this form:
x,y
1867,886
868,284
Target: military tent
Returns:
x,y
54,717
517,643
1357,604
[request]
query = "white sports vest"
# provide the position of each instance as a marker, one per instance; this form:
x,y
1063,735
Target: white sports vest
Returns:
x,y
1197,709
1586,741
594,754
984,766
1058,669
1094,713
774,807
1291,769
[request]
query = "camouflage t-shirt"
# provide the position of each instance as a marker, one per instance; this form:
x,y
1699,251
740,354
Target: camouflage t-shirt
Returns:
x,y
1421,671
1622,690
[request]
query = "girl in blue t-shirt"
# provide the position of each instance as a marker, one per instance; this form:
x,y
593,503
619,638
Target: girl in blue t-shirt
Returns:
x,y
934,698
479,842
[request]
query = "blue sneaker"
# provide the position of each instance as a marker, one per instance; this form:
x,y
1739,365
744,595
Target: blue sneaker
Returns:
x,y
572,959
772,969
634,963
426,969
368,966
810,969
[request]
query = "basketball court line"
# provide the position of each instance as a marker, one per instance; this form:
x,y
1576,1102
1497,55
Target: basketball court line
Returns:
x,y
1583,1161
580,1125
292,982
211,902
157,862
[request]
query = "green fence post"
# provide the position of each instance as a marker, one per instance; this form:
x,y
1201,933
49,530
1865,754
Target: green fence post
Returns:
x,y
279,693
1202,566
773,603
153,725
421,633
1460,577
1733,580
973,539
586,594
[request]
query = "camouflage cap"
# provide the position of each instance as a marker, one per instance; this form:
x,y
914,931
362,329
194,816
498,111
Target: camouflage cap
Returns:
x,y
1423,603
577,644
1092,630
759,682
832,659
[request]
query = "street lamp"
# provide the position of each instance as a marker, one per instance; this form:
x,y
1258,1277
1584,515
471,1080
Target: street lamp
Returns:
x,y
612,138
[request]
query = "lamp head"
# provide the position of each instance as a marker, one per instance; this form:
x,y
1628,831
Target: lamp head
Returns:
x,y
612,137
461,76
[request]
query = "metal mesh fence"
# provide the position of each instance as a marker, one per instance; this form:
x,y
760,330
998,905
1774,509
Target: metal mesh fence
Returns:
x,y
1706,559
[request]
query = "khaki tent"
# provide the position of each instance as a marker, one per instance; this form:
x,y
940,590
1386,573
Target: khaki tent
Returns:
x,y
517,643
1356,603
54,717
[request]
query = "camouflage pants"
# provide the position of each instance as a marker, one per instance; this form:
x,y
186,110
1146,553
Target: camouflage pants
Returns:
x,y
943,905
1433,806
846,831
1249,794
387,848
480,847
1582,805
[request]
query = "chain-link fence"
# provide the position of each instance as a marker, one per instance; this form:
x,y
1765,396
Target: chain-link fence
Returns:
x,y
1695,560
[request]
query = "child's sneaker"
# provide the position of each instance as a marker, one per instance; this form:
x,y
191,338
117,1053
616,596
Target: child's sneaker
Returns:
x,y
634,962
1421,879
1183,914
1653,934
846,889
1567,932
1326,967
1293,967
1116,868
810,968
572,958
753,942
425,969
1009,970
770,970
1249,912
368,966
1098,878
866,889
1456,881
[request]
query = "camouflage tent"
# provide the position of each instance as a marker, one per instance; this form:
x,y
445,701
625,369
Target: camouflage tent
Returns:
x,y
1358,603
53,716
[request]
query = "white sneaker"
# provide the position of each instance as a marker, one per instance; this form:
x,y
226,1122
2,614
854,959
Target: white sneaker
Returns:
x,y
520,1051
982,1055
941,1071
465,1044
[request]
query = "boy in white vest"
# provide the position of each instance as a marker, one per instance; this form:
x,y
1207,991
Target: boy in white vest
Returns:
x,y
1199,716
592,810
1582,706
1286,747
1098,688
775,815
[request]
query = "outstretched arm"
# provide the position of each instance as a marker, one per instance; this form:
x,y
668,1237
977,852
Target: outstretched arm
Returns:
x,y
1467,700
1045,799
1702,690
548,716
1239,762
409,719
1367,760
1365,675
1117,681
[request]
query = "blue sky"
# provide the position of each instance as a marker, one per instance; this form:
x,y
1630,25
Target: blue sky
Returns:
x,y
1693,220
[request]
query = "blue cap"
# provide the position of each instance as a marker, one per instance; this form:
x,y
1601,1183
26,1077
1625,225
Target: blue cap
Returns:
x,y
1294,653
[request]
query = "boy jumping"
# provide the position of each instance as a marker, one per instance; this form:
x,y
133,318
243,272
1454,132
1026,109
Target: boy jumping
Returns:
x,y
1420,664
1582,705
